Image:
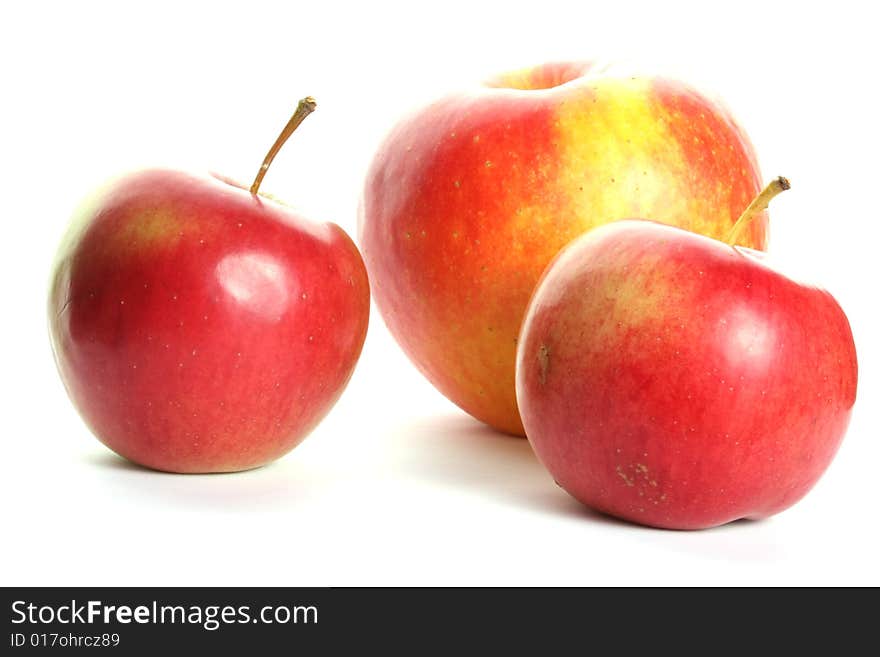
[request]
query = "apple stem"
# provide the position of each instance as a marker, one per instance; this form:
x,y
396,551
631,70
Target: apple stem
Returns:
x,y
757,206
305,107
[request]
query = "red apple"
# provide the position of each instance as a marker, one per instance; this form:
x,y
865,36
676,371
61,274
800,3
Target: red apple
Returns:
x,y
677,381
201,328
469,199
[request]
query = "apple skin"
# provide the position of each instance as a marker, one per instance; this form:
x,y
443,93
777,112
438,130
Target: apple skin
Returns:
x,y
199,328
672,380
469,198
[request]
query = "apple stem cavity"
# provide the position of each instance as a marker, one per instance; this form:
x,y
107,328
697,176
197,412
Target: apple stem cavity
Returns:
x,y
757,206
305,107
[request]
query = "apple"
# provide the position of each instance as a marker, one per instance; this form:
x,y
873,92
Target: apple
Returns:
x,y
468,200
677,381
199,327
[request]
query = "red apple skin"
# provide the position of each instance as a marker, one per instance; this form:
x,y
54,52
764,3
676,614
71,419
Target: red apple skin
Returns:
x,y
199,328
469,198
675,381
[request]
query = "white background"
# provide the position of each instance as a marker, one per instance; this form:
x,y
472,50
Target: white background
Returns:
x,y
397,486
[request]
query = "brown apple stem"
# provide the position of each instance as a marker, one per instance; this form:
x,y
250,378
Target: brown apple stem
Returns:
x,y
756,207
305,107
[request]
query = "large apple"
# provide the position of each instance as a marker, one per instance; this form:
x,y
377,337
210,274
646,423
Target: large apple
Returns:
x,y
199,327
469,199
677,381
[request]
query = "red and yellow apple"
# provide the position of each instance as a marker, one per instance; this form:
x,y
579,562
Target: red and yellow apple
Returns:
x,y
674,380
468,200
199,327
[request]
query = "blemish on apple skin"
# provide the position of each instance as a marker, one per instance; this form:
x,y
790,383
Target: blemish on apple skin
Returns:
x,y
543,363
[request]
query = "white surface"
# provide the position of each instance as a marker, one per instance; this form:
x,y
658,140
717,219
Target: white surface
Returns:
x,y
397,486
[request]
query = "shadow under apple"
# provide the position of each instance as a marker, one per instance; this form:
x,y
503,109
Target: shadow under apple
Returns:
x,y
459,452
270,487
